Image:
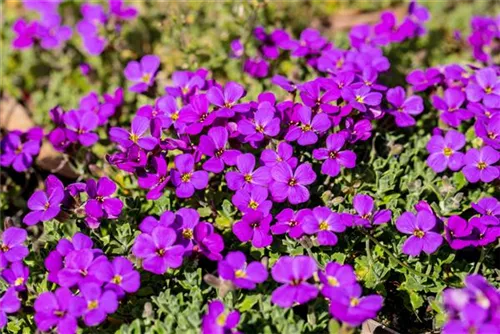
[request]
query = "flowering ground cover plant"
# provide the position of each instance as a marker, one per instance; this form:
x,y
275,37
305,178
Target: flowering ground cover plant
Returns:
x,y
290,180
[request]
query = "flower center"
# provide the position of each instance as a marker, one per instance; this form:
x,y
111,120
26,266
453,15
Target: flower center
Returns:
x,y
203,117
367,216
323,226
186,177
19,281
360,99
482,165
117,279
292,223
5,248
240,273
253,205
93,304
100,199
175,116
354,302
146,77
333,281
187,233
59,314
248,178
133,137
292,182
333,154
47,205
488,90
160,252
259,128
221,319
419,233
447,151
219,153
306,127
492,135
296,281
19,149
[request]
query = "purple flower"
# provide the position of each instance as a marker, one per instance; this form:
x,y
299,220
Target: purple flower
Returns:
x,y
334,156
486,87
214,145
157,251
18,149
12,244
118,9
255,200
443,152
16,275
237,49
458,232
404,107
9,303
361,97
247,178
293,273
313,97
323,222
255,227
284,83
488,206
185,178
186,220
80,125
197,114
156,181
149,223
227,99
45,205
420,228
421,80
305,132
283,153
51,33
77,268
334,276
473,319
288,221
142,73
450,106
103,111
59,309
118,275
348,305
244,275
291,185
100,205
137,135
489,130
256,67
478,165
207,242
367,216
263,124
360,130
218,320
186,84
25,34
98,303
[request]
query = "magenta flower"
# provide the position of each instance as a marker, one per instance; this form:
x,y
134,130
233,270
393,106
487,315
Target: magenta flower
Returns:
x,y
289,221
489,130
367,216
18,149
45,205
12,246
186,219
336,276
450,107
305,133
137,135
156,181
57,310
103,111
157,251
348,305
420,228
255,200
247,178
142,73
100,205
323,222
313,97
121,11
16,275
119,275
293,273
458,232
283,153
197,114
443,152
486,87
244,275
478,164
255,228
256,67
98,303
214,146
227,99
149,223
77,268
26,33
488,206
263,124
9,303
207,242
333,156
404,108
421,80
291,185
79,125
185,178
361,97
218,320
186,84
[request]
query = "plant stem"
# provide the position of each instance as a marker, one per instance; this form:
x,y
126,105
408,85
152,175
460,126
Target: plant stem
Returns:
x,y
480,261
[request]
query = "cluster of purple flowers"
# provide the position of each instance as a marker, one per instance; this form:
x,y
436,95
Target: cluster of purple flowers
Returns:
x,y
163,243
100,284
97,205
48,31
472,309
466,96
18,148
485,31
